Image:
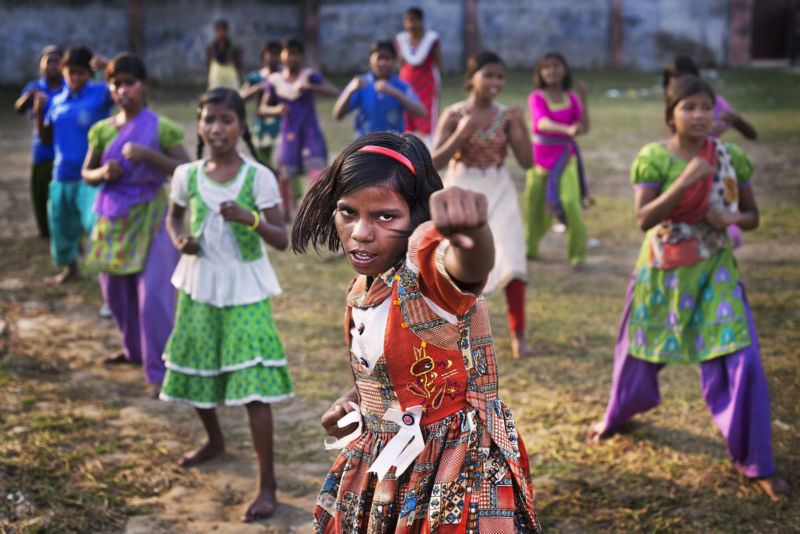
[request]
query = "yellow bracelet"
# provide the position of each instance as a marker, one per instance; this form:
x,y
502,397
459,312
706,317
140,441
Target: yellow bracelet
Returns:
x,y
258,219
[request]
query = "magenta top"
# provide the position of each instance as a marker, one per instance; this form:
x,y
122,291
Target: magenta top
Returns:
x,y
566,112
720,106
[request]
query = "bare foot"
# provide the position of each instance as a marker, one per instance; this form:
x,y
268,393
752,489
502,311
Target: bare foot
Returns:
x,y
579,267
69,274
115,359
262,507
773,486
598,431
205,452
155,390
519,348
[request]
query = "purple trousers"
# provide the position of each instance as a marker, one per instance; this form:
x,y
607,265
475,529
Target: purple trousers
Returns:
x,y
143,306
734,388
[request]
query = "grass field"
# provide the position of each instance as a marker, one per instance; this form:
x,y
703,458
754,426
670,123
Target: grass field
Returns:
x,y
83,450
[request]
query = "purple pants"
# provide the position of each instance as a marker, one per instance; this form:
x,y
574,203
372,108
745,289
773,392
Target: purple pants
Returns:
x,y
734,388
143,306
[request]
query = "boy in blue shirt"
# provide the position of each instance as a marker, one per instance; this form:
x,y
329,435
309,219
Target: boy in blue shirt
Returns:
x,y
64,122
379,97
49,84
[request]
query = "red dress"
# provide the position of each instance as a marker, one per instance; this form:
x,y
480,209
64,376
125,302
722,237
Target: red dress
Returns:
x,y
436,371
420,70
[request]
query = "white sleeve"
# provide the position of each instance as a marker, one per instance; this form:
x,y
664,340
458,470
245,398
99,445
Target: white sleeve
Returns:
x,y
265,188
179,187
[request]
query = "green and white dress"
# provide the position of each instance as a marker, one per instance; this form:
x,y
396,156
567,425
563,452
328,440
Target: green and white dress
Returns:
x,y
225,349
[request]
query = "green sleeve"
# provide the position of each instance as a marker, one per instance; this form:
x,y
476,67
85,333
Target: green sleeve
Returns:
x,y
649,167
170,134
101,134
741,163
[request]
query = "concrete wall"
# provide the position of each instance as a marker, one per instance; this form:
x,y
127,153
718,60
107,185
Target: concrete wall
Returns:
x,y
176,31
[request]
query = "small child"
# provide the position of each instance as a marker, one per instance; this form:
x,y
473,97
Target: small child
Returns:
x,y
225,349
130,157
64,122
556,184
264,129
421,61
434,449
379,97
49,84
223,59
302,145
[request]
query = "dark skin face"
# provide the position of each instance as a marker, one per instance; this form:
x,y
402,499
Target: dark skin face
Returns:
x,y
693,116
49,66
128,91
220,128
382,64
292,59
76,77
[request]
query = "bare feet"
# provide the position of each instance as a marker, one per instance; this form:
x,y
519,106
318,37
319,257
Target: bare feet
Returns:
x,y
519,348
598,431
155,390
115,359
207,451
262,507
69,274
579,267
773,486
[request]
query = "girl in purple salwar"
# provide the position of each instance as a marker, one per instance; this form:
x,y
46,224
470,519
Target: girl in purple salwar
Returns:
x,y
130,156
686,302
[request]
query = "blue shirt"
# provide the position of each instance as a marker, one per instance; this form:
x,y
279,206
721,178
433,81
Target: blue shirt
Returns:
x,y
379,112
40,152
71,115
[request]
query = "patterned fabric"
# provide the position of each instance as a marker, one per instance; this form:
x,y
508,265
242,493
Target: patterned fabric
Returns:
x,y
120,245
692,312
265,130
424,79
229,356
248,240
473,473
485,148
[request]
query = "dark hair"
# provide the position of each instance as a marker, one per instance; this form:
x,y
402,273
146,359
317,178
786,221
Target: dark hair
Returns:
x,y
128,63
386,46
477,62
679,66
77,56
230,99
352,170
683,88
539,82
415,12
221,23
270,46
51,49
293,44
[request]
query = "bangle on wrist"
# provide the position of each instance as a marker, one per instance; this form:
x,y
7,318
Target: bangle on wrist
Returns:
x,y
256,221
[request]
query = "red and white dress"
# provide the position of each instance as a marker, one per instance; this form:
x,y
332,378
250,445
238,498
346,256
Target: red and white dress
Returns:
x,y
420,70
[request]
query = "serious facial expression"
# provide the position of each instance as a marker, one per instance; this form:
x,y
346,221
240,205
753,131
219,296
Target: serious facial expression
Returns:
x,y
127,90
49,65
368,221
692,116
76,77
220,128
272,60
382,64
291,59
553,72
412,23
489,80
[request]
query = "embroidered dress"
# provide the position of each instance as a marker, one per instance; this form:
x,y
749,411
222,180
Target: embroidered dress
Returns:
x,y
302,146
479,165
427,369
420,70
555,185
225,348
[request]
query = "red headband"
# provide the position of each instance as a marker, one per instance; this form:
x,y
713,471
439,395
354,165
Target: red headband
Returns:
x,y
391,153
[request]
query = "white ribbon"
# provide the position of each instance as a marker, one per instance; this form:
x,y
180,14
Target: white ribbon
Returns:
x,y
346,420
404,447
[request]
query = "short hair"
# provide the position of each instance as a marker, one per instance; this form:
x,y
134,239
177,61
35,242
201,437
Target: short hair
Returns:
x,y
77,56
683,88
293,44
539,82
385,46
677,67
128,63
353,169
477,62
221,23
51,49
415,12
270,46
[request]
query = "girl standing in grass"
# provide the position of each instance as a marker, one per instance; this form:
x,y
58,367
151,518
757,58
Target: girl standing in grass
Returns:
x,y
225,349
130,156
474,136
265,130
439,451
556,184
686,302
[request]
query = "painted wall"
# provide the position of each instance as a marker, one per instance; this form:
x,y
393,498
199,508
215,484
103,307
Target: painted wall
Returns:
x,y
519,30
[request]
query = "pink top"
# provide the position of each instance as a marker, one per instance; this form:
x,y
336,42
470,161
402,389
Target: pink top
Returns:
x,y
720,106
567,112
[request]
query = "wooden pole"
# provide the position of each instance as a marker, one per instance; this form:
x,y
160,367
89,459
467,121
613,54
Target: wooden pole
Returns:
x,y
471,29
617,38
310,23
136,27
